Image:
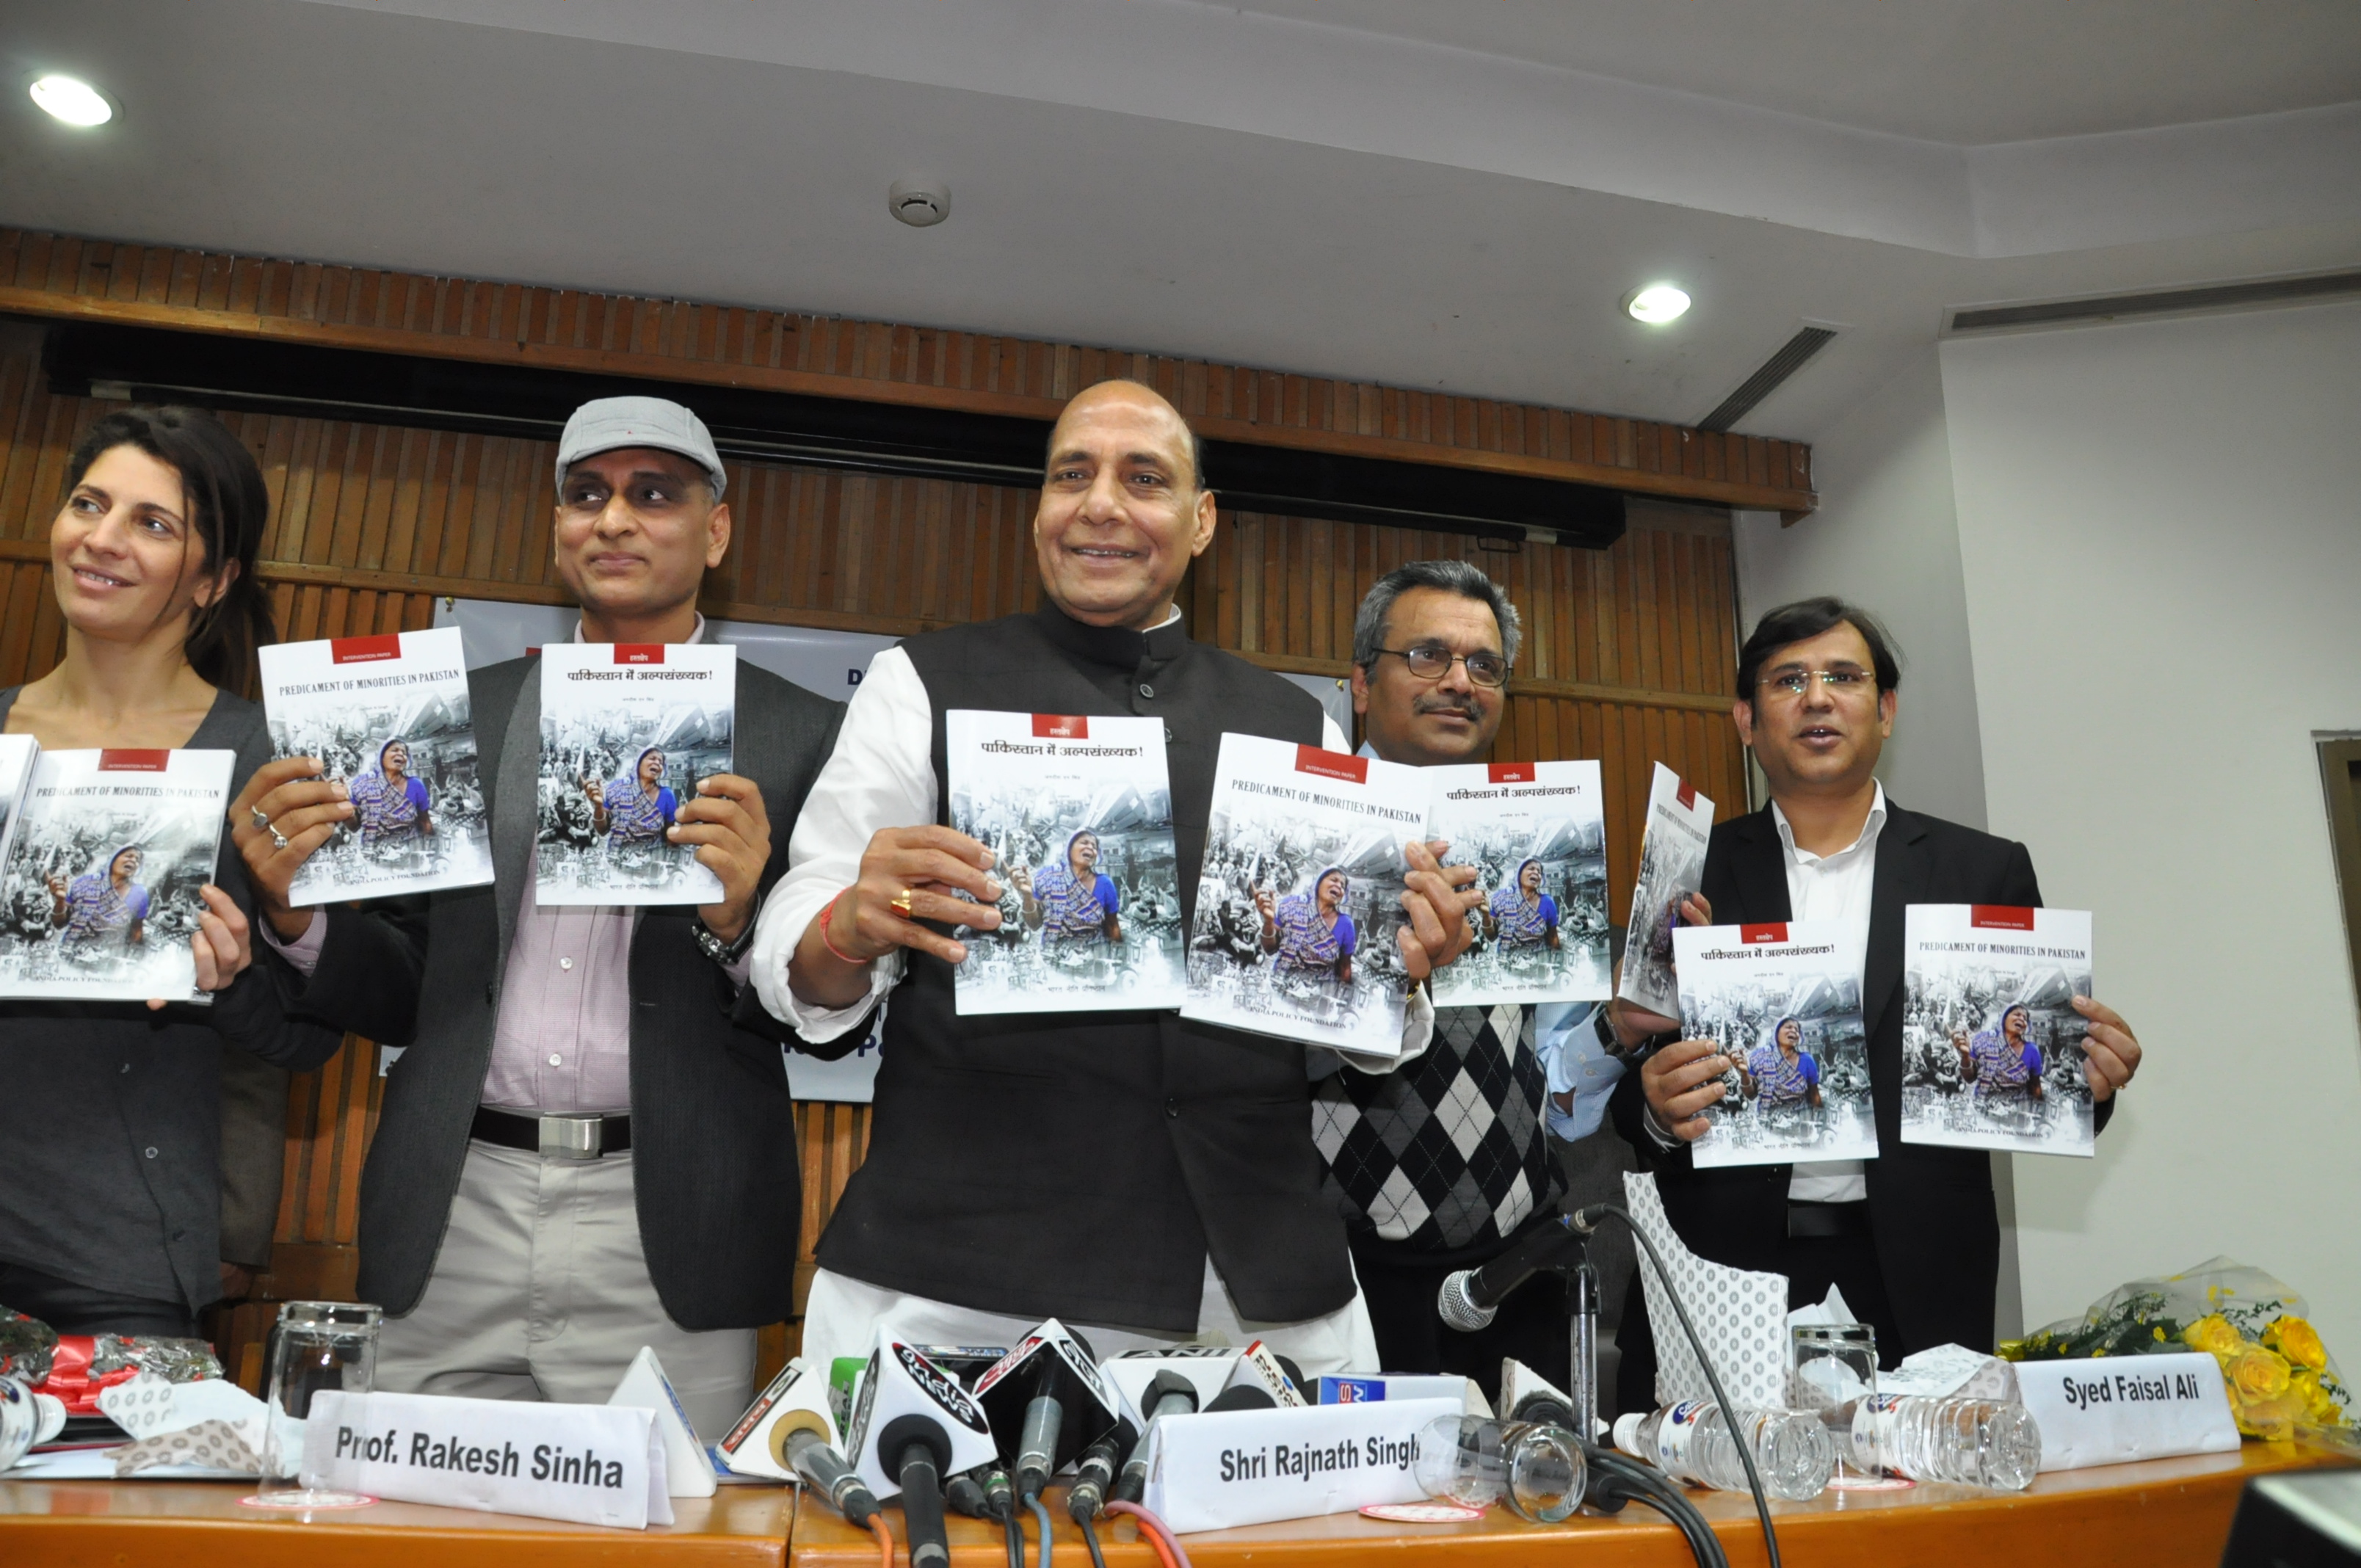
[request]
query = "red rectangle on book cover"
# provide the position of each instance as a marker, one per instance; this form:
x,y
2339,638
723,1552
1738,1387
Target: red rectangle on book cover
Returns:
x,y
1513,773
1773,933
1686,796
1061,727
639,652
1999,918
363,649
134,761
1331,764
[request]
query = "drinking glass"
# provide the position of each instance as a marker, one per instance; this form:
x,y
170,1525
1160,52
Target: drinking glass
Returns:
x,y
317,1346
1833,1368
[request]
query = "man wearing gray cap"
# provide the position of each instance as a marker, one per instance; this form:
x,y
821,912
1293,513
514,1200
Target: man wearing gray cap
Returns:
x,y
588,1145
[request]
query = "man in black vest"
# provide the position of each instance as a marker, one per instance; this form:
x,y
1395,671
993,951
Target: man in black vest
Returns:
x,y
1136,1172
1441,1163
587,1145
1910,1237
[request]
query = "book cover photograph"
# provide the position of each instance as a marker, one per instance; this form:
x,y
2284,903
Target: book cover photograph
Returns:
x,y
1991,1047
1537,835
17,753
1671,866
1079,811
1784,1004
627,731
100,888
388,717
1300,894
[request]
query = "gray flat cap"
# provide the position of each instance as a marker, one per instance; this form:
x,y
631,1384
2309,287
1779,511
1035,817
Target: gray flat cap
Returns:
x,y
606,424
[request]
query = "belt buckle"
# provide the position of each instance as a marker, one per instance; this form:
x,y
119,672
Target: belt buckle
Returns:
x,y
572,1137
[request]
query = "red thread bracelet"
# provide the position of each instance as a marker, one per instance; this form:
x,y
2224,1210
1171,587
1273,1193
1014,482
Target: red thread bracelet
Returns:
x,y
826,915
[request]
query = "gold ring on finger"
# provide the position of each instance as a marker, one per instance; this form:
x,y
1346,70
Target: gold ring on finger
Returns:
x,y
900,903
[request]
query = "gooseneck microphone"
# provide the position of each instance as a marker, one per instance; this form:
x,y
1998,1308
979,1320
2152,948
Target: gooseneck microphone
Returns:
x,y
1471,1298
1169,1394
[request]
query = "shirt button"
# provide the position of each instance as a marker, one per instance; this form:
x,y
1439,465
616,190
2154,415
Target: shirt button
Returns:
x,y
556,1061
127,1067
565,963
151,1151
1147,690
1171,1108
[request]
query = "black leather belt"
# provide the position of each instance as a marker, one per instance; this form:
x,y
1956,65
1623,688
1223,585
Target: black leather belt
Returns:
x,y
553,1137
1822,1222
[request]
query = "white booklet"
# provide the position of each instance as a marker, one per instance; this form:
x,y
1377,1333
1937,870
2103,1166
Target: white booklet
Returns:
x,y
100,892
17,753
627,731
1991,1048
1300,895
1784,1003
1537,835
388,716
1671,866
1079,810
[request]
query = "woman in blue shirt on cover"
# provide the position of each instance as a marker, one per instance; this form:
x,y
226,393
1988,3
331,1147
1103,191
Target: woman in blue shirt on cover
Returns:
x,y
391,802
1521,915
1311,932
633,810
1072,902
1781,1072
105,904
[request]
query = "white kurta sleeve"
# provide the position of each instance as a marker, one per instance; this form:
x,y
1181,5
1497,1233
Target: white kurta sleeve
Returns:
x,y
880,775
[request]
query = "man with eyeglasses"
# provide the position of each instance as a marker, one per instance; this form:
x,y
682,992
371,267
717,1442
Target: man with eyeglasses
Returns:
x,y
1910,1237
1440,1164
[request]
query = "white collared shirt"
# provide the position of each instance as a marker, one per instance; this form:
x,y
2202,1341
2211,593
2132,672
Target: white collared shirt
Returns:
x,y
1831,887
881,775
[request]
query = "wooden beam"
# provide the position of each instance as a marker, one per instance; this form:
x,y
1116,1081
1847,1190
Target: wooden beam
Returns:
x,y
54,306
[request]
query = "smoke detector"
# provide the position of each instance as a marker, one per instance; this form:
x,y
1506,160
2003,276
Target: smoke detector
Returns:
x,y
921,204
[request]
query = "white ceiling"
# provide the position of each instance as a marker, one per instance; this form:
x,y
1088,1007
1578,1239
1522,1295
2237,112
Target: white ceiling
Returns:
x,y
1244,187
1970,72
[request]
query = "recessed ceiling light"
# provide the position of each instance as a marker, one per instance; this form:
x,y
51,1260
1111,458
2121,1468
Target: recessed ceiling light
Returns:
x,y
1656,305
75,101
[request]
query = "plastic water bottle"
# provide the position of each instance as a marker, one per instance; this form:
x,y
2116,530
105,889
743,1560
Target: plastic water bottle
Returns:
x,y
1983,1443
1689,1442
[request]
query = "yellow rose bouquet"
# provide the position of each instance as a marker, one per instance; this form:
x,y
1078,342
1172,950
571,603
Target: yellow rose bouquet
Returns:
x,y
2282,1380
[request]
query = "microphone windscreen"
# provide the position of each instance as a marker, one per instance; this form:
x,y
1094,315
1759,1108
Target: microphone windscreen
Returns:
x,y
1458,1309
1165,1385
1244,1397
1286,1364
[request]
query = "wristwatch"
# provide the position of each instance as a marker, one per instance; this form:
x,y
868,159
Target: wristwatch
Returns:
x,y
721,953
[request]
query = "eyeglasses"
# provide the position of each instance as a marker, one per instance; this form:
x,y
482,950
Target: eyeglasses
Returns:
x,y
1429,662
1794,684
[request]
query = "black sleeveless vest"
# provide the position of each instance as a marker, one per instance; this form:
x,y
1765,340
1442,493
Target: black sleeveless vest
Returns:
x,y
1083,1165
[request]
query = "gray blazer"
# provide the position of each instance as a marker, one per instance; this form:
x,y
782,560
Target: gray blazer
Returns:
x,y
713,1137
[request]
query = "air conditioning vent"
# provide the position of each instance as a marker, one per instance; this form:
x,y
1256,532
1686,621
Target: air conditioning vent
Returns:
x,y
1791,357
2157,302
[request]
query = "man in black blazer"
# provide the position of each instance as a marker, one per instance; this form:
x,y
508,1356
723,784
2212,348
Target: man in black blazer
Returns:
x,y
587,1145
1910,1237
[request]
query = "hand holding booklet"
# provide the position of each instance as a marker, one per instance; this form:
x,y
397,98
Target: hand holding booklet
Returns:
x,y
1991,1047
388,717
1784,1004
99,896
1078,811
627,729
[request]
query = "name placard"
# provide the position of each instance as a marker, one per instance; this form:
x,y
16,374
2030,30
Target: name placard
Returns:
x,y
1231,1468
2135,1407
586,1464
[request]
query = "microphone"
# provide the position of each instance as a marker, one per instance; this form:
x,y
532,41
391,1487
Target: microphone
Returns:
x,y
1168,1395
1259,1367
1470,1297
1045,1401
800,1441
1244,1397
912,1423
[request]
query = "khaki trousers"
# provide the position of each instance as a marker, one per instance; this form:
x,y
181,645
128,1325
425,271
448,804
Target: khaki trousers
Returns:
x,y
541,1292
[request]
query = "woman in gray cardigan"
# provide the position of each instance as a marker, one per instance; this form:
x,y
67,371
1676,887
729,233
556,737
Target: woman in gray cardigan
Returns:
x,y
110,1170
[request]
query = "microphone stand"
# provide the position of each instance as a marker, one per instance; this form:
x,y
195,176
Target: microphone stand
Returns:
x,y
1583,1368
